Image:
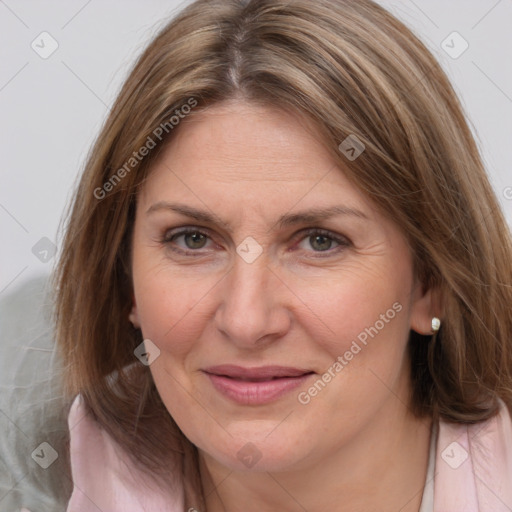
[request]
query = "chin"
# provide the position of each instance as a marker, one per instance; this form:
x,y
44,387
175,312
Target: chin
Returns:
x,y
276,453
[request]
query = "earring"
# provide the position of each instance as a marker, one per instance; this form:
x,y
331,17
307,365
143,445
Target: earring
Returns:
x,y
436,323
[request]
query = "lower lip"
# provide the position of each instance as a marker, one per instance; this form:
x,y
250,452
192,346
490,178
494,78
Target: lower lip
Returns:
x,y
256,393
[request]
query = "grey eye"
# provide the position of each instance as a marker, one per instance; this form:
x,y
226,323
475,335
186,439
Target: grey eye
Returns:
x,y
320,242
195,240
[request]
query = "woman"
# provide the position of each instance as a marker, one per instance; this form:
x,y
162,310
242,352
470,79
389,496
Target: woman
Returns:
x,y
286,282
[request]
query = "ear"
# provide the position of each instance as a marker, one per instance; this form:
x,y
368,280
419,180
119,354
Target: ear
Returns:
x,y
134,314
426,304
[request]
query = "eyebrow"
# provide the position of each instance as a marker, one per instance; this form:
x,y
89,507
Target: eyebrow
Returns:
x,y
307,216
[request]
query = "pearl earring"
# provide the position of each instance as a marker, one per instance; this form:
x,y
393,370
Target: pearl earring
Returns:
x,y
436,323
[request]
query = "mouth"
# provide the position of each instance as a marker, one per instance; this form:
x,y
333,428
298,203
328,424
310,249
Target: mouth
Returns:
x,y
255,386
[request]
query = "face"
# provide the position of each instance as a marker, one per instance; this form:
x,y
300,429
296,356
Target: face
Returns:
x,y
279,297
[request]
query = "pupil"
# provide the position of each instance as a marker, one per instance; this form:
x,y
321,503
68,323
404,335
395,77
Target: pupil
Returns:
x,y
320,242
195,240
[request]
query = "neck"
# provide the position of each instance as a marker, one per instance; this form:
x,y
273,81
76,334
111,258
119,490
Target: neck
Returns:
x,y
383,469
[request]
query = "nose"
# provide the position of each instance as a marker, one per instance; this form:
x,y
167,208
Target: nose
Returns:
x,y
252,311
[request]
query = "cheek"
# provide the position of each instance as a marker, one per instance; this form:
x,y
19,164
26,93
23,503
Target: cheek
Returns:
x,y
367,313
171,308
359,303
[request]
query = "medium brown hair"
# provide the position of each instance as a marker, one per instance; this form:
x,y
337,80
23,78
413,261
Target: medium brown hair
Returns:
x,y
352,69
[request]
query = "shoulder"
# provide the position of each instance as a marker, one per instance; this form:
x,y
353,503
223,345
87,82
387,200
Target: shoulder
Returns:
x,y
474,465
104,477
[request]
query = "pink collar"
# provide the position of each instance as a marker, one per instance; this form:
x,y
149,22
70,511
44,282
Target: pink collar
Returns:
x,y
473,469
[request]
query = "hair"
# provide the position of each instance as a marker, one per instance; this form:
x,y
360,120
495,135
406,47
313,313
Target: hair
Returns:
x,y
351,68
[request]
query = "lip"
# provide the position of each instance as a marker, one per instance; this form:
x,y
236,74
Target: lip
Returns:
x,y
256,386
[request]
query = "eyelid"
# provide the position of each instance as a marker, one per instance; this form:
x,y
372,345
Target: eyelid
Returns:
x,y
169,234
325,232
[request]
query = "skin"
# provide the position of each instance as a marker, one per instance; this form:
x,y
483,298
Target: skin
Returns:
x,y
356,445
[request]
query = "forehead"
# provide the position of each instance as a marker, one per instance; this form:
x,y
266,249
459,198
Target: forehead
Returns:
x,y
248,141
244,152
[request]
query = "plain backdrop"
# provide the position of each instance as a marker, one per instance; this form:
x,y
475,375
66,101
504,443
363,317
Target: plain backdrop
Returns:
x,y
52,108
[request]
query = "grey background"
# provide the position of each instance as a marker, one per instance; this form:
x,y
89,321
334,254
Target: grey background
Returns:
x,y
50,111
52,108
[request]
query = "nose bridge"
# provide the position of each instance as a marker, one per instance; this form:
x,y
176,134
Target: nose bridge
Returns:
x,y
250,309
248,288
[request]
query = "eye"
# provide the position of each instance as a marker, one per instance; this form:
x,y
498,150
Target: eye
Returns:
x,y
322,241
186,240
191,240
195,240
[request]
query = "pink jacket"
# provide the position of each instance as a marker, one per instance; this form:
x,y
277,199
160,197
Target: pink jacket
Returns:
x,y
473,470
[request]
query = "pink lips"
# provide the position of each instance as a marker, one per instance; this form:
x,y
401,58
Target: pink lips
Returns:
x,y
254,386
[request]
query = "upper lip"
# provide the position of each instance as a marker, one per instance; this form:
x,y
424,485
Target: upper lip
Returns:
x,y
261,372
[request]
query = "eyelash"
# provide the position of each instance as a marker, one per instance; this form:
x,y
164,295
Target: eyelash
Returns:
x,y
343,242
